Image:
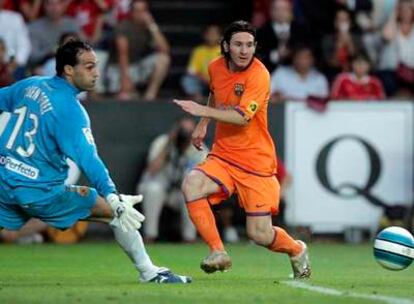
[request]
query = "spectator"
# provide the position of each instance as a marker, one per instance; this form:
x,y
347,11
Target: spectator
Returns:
x,y
121,10
309,13
261,9
46,31
48,67
358,85
14,33
299,81
338,48
279,35
6,77
90,15
170,157
396,62
372,22
30,9
141,55
195,82
320,14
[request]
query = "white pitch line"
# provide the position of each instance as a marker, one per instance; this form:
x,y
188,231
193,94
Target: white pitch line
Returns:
x,y
345,293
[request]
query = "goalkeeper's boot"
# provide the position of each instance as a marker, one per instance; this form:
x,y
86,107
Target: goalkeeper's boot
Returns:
x,y
164,275
217,260
300,264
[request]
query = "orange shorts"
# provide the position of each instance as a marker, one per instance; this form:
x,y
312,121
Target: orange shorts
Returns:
x,y
258,195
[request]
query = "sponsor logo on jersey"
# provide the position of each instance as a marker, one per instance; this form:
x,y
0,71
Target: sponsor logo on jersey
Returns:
x,y
19,167
88,135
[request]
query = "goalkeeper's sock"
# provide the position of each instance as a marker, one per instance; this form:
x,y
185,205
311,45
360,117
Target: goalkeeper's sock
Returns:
x,y
131,242
283,242
203,218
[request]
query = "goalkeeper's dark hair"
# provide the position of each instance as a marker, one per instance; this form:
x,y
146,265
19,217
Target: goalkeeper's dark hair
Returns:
x,y
69,52
236,27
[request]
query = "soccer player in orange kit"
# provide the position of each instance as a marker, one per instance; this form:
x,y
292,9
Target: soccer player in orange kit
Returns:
x,y
243,157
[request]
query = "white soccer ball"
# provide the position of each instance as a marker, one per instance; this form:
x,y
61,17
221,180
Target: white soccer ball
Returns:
x,y
394,248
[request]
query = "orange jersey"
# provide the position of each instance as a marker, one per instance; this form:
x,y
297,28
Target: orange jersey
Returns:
x,y
249,147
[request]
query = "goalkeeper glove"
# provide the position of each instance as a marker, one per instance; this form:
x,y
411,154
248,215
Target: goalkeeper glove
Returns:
x,y
123,208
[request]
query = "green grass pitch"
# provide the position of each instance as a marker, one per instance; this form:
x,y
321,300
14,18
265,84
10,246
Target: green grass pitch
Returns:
x,y
101,273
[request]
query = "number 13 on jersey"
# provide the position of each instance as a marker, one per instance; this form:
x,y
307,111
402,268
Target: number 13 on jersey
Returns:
x,y
21,116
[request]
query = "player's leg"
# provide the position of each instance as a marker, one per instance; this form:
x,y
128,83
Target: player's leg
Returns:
x,y
130,242
276,239
260,198
30,233
12,218
260,230
133,245
83,203
209,178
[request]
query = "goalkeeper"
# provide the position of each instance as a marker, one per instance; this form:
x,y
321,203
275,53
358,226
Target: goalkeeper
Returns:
x,y
43,124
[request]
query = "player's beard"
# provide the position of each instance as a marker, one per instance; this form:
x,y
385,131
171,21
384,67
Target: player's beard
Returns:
x,y
88,86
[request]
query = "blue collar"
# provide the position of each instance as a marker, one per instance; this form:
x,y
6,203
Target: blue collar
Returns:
x,y
61,82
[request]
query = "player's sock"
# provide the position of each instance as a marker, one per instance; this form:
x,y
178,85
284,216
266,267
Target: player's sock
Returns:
x,y
283,242
203,218
132,244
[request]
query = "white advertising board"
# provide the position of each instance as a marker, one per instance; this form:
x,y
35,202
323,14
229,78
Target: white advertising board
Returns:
x,y
345,160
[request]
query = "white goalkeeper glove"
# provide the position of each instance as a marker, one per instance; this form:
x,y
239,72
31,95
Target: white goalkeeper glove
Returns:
x,y
123,208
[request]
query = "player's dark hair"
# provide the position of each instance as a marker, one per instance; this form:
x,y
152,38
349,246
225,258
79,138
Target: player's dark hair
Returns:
x,y
236,27
66,36
68,54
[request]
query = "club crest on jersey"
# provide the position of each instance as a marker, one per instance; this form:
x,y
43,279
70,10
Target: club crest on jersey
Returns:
x,y
238,89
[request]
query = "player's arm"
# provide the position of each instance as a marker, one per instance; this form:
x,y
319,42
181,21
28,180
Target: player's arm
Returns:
x,y
200,131
211,103
209,112
232,116
76,141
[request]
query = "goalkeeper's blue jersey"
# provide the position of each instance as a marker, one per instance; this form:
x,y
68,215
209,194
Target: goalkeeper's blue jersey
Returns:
x,y
42,125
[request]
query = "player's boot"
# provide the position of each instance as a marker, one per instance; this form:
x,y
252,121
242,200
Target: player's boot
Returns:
x,y
217,260
164,275
300,264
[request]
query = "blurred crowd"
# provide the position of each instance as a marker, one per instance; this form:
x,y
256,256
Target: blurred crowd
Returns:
x,y
355,49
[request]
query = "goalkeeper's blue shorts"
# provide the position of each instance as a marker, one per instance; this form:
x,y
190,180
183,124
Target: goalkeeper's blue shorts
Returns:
x,y
61,212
